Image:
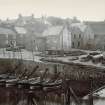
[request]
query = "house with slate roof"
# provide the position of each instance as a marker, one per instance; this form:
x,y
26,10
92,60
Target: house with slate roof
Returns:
x,y
35,42
6,37
98,29
23,20
21,33
81,36
57,38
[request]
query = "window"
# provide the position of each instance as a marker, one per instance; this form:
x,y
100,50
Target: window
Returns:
x,y
74,36
95,36
73,44
78,44
79,35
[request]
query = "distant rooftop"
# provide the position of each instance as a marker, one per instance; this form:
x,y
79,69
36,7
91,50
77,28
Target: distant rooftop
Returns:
x,y
20,30
55,30
81,26
98,28
6,31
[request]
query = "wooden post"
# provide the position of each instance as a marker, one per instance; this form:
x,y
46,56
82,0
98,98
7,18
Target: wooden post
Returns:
x,y
21,54
32,50
3,52
91,90
76,99
68,94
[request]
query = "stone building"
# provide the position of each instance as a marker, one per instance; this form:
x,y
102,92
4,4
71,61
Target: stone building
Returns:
x,y
98,29
81,36
21,33
6,37
39,43
57,38
23,20
35,43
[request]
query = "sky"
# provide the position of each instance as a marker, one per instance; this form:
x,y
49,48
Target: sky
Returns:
x,y
93,10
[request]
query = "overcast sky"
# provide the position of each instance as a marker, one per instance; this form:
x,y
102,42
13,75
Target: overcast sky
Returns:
x,y
83,9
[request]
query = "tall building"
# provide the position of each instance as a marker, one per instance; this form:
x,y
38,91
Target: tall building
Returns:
x,y
81,36
98,29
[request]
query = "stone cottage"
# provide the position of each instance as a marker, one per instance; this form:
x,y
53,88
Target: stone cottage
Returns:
x,y
57,38
35,42
21,33
7,36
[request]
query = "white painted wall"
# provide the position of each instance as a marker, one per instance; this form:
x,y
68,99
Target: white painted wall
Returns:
x,y
88,35
66,39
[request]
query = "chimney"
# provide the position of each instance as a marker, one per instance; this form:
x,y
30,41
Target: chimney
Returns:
x,y
32,15
7,19
19,16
